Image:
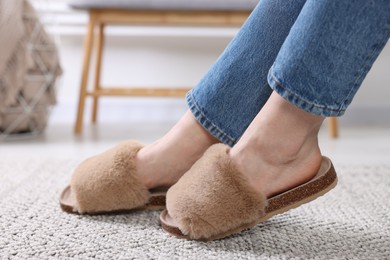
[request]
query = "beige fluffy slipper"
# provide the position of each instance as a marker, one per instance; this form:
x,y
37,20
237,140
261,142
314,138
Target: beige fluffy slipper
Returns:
x,y
107,183
213,200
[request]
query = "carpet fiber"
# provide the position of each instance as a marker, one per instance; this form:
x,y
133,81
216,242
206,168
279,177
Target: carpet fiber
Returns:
x,y
351,222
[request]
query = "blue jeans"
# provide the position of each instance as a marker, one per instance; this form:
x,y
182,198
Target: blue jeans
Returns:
x,y
313,53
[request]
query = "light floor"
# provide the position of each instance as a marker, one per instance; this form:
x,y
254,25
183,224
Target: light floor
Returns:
x,y
356,145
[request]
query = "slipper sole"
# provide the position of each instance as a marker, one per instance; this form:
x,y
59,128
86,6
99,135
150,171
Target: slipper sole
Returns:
x,y
156,202
309,191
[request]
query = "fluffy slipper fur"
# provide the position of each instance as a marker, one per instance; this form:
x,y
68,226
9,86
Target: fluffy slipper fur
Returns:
x,y
107,183
213,200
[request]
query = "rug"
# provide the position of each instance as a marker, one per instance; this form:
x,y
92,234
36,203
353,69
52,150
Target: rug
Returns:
x,y
351,222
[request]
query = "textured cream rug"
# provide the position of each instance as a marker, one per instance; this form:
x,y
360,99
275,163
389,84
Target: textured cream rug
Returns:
x,y
351,222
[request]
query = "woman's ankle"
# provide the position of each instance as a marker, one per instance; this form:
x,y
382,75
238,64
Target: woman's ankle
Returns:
x,y
166,160
272,171
280,148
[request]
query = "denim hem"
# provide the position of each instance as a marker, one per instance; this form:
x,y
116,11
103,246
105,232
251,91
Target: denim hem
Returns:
x,y
300,102
207,123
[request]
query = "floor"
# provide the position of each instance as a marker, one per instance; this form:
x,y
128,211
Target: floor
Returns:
x,y
355,145
341,225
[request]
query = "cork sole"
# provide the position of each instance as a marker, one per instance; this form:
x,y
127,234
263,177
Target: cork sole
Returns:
x,y
69,204
324,181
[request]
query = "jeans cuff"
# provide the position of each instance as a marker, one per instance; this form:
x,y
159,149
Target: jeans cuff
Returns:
x,y
207,123
300,102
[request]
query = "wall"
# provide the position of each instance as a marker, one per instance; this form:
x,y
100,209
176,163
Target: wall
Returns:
x,y
179,57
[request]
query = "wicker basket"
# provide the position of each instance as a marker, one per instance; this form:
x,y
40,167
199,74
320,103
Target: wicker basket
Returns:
x,y
26,97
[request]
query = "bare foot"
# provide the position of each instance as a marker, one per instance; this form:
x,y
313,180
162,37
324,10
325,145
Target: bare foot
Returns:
x,y
279,150
162,163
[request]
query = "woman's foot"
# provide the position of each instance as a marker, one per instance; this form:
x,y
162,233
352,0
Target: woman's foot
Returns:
x,y
279,150
162,163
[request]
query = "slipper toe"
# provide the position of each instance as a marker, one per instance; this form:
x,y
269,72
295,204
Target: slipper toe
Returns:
x,y
106,183
67,201
211,198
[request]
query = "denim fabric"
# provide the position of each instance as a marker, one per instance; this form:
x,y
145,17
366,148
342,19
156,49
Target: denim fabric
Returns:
x,y
234,90
319,51
328,53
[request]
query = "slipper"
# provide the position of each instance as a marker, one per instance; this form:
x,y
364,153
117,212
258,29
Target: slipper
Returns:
x,y
213,200
107,183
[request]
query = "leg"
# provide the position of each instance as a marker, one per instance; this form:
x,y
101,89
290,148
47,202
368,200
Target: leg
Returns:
x,y
88,43
333,127
319,68
231,94
239,74
99,50
328,53
317,72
